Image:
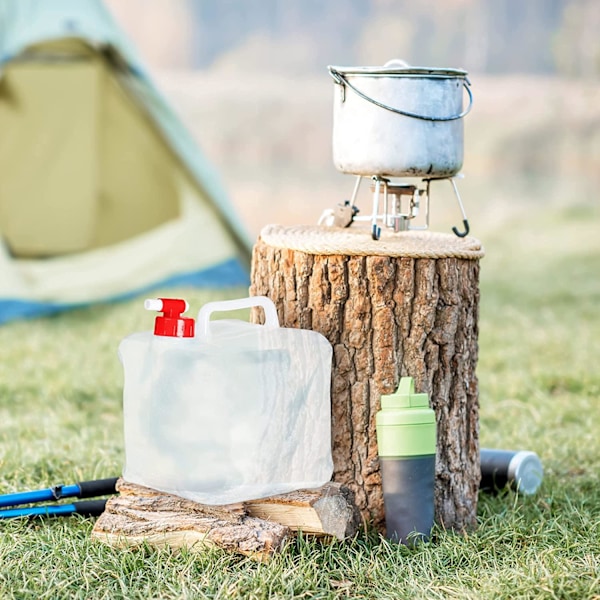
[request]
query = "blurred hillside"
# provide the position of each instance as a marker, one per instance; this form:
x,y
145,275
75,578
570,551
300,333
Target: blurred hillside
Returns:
x,y
530,143
486,36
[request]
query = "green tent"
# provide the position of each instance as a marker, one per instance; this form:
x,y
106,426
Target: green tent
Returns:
x,y
103,192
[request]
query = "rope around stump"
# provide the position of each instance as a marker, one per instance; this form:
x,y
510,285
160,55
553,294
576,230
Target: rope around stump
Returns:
x,y
317,239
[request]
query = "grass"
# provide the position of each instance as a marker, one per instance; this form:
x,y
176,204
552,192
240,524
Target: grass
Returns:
x,y
60,421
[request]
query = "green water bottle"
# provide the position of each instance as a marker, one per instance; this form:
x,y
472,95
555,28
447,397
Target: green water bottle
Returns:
x,y
406,437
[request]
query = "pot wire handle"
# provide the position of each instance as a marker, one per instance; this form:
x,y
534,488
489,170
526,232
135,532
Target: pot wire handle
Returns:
x,y
341,80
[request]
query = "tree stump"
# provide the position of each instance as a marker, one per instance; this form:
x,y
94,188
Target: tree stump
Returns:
x,y
405,305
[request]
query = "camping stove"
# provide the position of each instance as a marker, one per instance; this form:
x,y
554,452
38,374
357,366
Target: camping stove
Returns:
x,y
394,205
397,121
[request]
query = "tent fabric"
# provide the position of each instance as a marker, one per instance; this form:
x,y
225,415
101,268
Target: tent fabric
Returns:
x,y
103,191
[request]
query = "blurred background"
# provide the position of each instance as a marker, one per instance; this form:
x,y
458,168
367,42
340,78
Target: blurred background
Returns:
x,y
249,78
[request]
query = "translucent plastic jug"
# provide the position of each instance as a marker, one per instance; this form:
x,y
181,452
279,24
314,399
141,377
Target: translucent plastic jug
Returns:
x,y
232,412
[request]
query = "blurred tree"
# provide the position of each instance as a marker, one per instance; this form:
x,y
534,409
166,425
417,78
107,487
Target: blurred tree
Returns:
x,y
493,36
329,27
482,35
521,35
577,42
384,37
162,30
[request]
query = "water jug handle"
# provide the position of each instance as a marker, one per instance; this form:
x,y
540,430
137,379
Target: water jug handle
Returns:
x,y
271,318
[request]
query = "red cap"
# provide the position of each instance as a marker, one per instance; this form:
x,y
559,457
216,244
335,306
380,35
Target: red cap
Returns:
x,y
171,323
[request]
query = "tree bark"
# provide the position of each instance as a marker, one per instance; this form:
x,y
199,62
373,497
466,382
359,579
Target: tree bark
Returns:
x,y
387,317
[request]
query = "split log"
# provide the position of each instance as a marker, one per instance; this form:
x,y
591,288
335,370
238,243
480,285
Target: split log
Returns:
x,y
326,511
258,528
143,516
406,305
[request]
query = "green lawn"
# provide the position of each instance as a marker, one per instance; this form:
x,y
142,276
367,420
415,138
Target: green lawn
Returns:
x,y
60,421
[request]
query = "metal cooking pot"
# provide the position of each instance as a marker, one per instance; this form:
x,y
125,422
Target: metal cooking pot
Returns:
x,y
398,120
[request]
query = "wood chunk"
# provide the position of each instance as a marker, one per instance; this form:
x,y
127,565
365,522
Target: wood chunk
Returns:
x,y
258,528
165,520
126,488
328,510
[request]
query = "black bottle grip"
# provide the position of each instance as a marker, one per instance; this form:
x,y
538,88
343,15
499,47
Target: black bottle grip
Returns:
x,y
408,494
90,508
98,487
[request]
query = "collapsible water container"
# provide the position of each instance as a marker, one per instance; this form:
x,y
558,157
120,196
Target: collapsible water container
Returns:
x,y
228,411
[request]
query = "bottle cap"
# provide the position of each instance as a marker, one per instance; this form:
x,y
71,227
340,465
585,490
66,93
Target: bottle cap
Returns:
x,y
520,468
171,323
406,423
525,468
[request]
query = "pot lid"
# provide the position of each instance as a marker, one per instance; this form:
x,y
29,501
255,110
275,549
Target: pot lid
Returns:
x,y
399,69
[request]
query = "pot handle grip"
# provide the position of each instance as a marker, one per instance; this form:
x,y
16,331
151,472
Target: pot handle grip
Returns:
x,y
341,80
271,318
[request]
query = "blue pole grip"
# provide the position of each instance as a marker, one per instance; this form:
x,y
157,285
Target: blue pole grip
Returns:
x,y
49,494
83,489
42,511
87,508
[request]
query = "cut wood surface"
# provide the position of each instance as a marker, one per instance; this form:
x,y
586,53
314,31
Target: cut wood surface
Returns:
x,y
387,316
258,528
329,510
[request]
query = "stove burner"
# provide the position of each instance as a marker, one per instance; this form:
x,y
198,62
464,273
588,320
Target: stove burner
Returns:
x,y
401,203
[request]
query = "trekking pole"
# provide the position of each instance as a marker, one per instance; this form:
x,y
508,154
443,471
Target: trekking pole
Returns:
x,y
83,489
87,508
